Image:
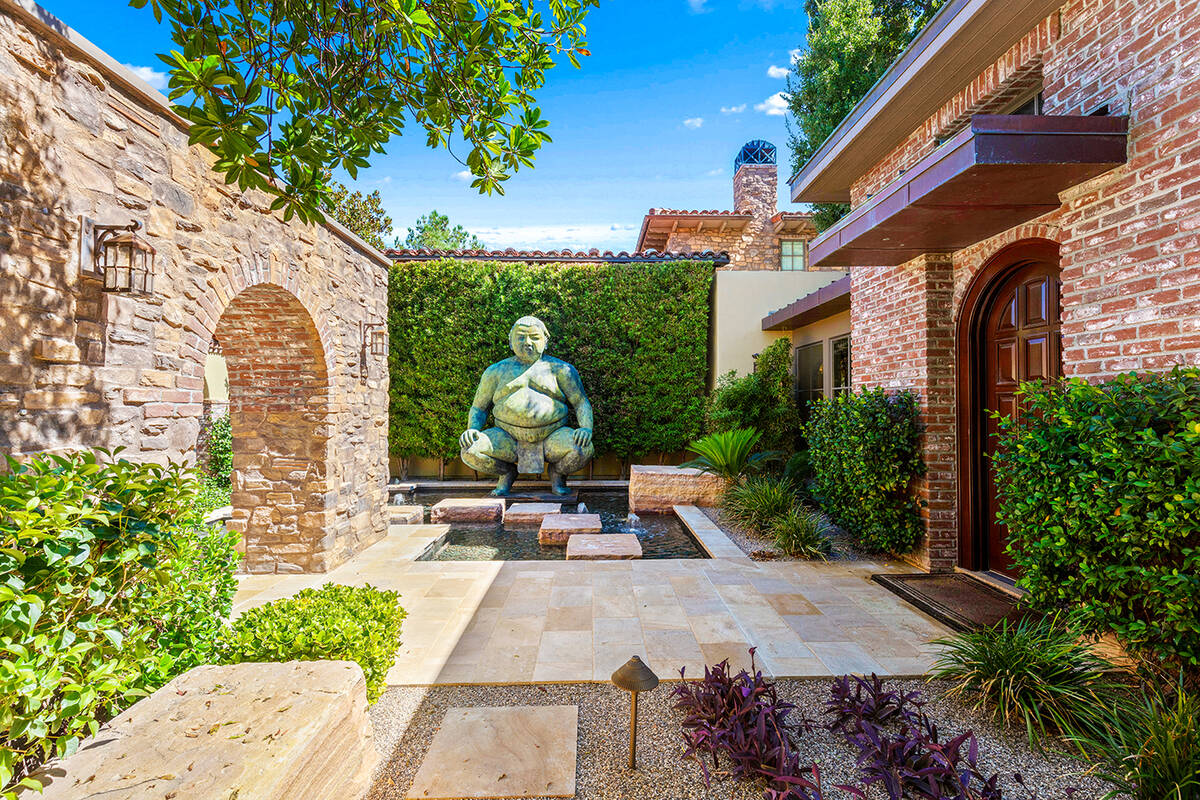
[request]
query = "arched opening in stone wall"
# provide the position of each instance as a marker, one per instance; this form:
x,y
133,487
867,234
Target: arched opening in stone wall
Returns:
x,y
279,408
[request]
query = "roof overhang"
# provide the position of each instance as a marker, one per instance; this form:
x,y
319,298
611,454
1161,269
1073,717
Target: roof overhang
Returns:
x,y
995,174
960,42
819,305
658,225
787,223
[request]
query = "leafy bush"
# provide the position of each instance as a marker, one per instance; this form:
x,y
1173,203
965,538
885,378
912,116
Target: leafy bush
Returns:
x,y
213,495
797,532
338,623
87,550
1147,745
1100,490
758,501
762,400
1035,673
865,455
219,443
448,320
729,454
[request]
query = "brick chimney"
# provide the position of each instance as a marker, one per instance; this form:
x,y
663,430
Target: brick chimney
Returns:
x,y
756,180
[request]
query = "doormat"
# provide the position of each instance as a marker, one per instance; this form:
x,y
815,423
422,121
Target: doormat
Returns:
x,y
960,601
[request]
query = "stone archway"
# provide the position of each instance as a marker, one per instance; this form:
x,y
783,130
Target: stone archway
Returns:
x,y
279,414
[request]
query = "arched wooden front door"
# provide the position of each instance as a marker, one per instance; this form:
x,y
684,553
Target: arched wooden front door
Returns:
x,y
1014,338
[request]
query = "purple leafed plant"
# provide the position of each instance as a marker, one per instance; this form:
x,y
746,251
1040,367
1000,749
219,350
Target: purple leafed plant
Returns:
x,y
854,700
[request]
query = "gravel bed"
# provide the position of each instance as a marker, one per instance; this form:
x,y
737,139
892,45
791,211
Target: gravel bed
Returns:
x,y
406,718
763,548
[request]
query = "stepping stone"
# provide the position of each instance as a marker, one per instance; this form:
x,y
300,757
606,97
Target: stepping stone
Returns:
x,y
558,528
526,751
530,513
467,509
570,498
603,546
407,515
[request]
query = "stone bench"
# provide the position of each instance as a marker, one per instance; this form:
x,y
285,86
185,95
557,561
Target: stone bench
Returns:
x,y
558,528
467,509
294,731
657,490
603,547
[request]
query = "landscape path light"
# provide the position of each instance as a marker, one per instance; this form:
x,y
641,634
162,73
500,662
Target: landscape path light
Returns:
x,y
634,676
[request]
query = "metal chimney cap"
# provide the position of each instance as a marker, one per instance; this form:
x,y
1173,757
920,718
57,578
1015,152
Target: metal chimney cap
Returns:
x,y
634,676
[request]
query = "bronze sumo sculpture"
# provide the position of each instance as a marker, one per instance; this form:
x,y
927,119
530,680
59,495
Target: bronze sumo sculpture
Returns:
x,y
530,397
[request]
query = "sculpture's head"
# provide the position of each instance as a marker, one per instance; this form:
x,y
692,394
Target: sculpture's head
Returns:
x,y
528,339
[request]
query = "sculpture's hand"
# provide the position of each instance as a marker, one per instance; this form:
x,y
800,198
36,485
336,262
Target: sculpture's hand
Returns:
x,y
582,437
468,438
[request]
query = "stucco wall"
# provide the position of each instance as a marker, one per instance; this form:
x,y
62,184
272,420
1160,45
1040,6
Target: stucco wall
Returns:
x,y
81,368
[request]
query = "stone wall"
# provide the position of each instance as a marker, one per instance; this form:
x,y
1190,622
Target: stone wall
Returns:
x,y
1129,239
83,137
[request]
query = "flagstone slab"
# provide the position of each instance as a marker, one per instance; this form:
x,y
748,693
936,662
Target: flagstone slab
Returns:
x,y
467,509
558,528
603,546
407,515
657,490
490,752
530,513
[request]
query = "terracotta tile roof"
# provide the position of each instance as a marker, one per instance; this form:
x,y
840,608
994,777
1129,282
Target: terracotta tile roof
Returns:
x,y
592,256
660,223
672,212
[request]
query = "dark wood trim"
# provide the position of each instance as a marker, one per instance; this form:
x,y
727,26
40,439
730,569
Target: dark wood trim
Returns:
x,y
833,298
968,416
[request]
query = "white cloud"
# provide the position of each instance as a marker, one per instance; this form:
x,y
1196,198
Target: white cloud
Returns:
x,y
697,6
693,122
777,72
774,106
733,109
605,236
794,55
712,173
156,79
463,175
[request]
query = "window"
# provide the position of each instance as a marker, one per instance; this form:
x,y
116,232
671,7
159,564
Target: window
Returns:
x,y
792,254
810,375
841,365
1031,106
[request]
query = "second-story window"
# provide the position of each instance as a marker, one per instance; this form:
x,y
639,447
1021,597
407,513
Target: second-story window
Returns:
x,y
791,253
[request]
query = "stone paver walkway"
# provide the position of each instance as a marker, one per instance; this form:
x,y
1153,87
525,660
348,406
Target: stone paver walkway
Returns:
x,y
534,621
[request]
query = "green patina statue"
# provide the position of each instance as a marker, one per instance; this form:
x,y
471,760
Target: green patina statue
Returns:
x,y
530,396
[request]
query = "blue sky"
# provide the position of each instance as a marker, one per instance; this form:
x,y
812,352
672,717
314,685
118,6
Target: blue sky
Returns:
x,y
653,119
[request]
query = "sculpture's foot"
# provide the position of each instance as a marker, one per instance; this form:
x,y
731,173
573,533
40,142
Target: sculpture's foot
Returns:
x,y
558,482
504,485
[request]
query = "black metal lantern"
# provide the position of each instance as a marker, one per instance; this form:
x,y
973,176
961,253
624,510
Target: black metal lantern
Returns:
x,y
375,338
122,259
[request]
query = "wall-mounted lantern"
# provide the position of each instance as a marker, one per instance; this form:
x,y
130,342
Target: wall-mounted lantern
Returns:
x,y
121,259
374,338
634,676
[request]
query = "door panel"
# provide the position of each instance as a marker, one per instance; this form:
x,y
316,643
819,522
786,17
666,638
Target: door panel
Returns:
x,y
1021,342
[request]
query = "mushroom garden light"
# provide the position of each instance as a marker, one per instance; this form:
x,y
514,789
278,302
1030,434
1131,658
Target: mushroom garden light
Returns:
x,y
634,676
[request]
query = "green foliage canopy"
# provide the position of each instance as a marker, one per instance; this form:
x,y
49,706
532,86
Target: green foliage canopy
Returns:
x,y
763,400
362,213
433,232
865,452
1100,490
283,91
637,333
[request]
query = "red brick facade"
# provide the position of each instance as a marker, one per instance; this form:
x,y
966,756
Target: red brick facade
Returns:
x,y
1129,240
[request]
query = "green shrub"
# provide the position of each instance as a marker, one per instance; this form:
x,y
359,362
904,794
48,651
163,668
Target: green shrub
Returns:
x,y
337,623
865,454
1100,490
638,334
219,444
1035,672
762,400
729,454
1147,745
758,501
797,532
87,551
213,495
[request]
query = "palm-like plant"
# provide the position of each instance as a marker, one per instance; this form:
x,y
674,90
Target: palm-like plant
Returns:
x,y
728,454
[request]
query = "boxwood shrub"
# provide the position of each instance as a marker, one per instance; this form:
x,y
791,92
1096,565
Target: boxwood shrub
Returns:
x,y
1100,489
637,333
334,623
864,452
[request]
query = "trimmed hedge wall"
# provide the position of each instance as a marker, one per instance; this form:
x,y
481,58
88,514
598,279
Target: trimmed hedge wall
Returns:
x,y
1100,490
637,333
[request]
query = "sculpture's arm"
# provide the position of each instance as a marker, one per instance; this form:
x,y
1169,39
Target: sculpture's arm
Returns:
x,y
477,416
572,387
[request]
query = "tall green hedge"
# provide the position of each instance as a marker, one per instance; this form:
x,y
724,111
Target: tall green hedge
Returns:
x,y
638,334
1100,491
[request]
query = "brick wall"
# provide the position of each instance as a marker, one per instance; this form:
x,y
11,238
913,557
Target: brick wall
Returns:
x,y
1130,239
82,368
